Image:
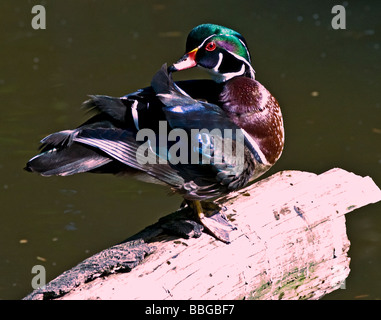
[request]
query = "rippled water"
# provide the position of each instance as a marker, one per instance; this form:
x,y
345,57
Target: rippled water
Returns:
x,y
326,80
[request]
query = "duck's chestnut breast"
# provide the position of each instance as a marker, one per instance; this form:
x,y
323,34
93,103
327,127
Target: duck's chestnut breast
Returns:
x,y
252,107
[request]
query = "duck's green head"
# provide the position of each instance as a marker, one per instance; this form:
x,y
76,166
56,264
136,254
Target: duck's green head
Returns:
x,y
220,50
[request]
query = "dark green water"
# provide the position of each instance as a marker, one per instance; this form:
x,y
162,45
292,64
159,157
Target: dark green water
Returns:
x,y
326,80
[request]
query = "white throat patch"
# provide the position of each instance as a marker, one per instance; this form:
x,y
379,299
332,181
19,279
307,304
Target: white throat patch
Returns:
x,y
222,77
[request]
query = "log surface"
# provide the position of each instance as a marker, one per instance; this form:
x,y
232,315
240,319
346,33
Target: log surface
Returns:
x,y
290,243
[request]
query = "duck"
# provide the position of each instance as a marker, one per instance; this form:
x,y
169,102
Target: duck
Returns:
x,y
204,138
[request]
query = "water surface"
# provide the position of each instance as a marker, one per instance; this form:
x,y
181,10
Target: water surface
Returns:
x,y
326,80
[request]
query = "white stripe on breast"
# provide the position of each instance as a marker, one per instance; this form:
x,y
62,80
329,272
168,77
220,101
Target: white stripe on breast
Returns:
x,y
255,146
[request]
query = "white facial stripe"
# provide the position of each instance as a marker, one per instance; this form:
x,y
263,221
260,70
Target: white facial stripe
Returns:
x,y
220,57
229,75
206,40
245,62
247,50
221,77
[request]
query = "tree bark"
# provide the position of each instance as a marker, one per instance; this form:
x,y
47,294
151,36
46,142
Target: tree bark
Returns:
x,y
290,243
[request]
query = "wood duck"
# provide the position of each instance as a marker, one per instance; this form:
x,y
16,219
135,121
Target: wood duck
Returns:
x,y
126,134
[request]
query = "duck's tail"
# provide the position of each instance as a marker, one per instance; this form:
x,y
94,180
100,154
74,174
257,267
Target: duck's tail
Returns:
x,y
61,156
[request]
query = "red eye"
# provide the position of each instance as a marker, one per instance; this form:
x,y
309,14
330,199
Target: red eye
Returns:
x,y
210,46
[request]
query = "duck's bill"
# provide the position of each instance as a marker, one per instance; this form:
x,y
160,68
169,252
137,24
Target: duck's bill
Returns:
x,y
186,62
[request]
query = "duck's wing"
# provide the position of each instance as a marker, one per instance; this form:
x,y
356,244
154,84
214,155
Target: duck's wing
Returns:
x,y
217,158
88,147
108,142
102,150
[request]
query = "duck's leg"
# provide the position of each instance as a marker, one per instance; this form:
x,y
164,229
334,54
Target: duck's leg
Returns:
x,y
208,216
183,223
217,224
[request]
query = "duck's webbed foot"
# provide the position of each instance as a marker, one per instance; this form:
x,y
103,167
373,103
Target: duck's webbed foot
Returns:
x,y
203,215
182,224
183,228
213,219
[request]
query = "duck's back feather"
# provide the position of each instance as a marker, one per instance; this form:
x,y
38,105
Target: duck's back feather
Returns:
x,y
107,141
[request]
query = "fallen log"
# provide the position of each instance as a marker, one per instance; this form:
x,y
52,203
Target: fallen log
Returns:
x,y
290,243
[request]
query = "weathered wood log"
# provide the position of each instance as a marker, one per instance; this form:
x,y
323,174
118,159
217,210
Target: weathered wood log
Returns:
x,y
290,243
